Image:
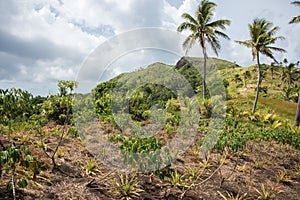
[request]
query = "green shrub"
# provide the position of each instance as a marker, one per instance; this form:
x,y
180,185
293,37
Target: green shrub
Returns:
x,y
14,157
142,153
232,136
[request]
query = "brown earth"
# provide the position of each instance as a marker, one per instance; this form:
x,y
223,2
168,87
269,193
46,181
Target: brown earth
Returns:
x,y
258,166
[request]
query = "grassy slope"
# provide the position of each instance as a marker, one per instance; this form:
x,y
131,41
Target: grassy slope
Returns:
x,y
243,96
238,94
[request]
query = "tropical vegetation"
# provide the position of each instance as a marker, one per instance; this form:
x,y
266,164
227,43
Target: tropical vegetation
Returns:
x,y
160,132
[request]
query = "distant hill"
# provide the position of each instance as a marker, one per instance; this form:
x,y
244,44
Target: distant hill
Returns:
x,y
166,81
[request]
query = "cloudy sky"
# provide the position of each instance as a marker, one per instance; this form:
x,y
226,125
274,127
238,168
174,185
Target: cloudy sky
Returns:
x,y
45,41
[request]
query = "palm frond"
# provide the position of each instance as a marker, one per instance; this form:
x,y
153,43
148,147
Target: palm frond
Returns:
x,y
186,26
202,28
295,20
205,10
267,52
214,43
223,35
222,23
273,31
262,35
276,49
189,18
296,3
246,43
189,42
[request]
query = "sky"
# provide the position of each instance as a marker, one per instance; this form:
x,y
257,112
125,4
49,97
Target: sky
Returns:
x,y
49,40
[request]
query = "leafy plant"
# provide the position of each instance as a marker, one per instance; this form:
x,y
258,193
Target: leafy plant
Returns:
x,y
14,103
59,107
268,192
73,131
231,196
141,145
284,177
116,137
127,187
141,153
177,180
232,136
173,112
90,166
18,156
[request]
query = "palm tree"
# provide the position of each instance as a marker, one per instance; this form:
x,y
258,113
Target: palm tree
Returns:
x,y
289,75
203,30
295,19
297,117
262,36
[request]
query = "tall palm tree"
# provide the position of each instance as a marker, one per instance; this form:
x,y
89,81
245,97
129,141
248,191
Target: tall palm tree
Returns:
x,y
261,37
204,30
297,117
289,75
295,19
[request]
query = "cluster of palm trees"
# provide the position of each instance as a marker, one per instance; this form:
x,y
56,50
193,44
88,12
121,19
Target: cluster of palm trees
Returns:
x,y
205,31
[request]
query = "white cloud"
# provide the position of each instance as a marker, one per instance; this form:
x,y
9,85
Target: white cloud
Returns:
x,y
43,41
58,69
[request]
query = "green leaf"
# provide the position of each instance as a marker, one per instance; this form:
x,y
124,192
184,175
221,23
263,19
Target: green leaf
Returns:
x,y
27,151
7,169
4,157
29,158
15,155
22,183
9,187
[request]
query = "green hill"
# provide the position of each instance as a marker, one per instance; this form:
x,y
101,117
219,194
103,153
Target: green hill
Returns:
x,y
159,82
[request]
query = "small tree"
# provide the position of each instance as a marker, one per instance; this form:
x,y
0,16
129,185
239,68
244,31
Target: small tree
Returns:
x,y
14,157
58,108
14,103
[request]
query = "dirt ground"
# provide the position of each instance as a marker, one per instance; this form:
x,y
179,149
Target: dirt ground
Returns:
x,y
267,166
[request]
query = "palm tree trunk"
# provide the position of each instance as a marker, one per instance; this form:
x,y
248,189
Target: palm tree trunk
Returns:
x,y
204,66
258,84
297,118
204,78
272,77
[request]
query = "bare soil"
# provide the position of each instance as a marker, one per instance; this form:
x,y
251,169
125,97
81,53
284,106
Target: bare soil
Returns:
x,y
261,164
